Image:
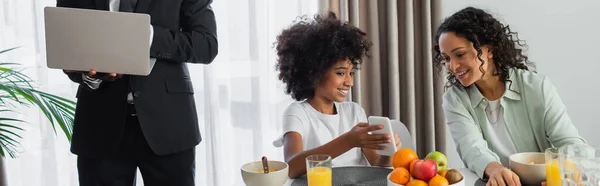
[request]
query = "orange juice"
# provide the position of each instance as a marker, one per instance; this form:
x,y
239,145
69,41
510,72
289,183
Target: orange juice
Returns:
x,y
553,173
319,176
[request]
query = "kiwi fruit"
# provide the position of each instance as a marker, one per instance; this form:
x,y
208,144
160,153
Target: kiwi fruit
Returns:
x,y
453,176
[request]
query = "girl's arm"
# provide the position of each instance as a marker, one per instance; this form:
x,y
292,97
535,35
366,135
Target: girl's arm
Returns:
x,y
358,136
295,155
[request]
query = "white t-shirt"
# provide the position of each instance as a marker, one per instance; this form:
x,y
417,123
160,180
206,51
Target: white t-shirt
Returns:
x,y
318,129
501,142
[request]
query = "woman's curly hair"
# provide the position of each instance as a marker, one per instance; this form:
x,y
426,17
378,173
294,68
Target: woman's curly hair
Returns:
x,y
481,28
308,48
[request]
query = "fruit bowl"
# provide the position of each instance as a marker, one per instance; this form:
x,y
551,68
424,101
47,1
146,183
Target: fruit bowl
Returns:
x,y
390,183
253,175
432,170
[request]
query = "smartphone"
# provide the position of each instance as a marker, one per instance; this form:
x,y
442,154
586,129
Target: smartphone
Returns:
x,y
387,129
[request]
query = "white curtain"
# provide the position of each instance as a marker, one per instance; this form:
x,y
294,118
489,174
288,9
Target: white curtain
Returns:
x,y
239,98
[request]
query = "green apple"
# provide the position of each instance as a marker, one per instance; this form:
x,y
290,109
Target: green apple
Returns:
x,y
440,159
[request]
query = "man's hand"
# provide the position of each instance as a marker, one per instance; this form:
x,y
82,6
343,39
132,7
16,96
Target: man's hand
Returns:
x,y
92,74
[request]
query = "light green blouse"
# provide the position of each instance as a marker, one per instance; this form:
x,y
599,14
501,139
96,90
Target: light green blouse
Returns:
x,y
534,114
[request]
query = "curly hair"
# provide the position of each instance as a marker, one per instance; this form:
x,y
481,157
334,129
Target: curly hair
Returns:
x,y
481,29
308,48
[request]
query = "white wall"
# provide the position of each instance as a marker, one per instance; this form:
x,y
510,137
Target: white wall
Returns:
x,y
563,38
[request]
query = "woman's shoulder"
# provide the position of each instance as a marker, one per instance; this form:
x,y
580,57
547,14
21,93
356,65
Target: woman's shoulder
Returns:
x,y
455,94
530,81
527,77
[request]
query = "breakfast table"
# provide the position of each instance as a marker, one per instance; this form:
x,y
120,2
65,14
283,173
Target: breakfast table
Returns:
x,y
373,176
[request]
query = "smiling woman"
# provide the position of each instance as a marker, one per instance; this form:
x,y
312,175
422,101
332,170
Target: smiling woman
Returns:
x,y
473,46
492,91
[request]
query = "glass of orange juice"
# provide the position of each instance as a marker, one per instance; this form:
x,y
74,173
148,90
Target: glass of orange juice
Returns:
x,y
553,177
318,170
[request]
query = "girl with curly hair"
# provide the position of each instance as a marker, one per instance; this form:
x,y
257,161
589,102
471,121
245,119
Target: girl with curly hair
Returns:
x,y
317,60
495,106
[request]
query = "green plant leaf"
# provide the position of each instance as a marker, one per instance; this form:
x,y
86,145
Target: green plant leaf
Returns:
x,y
12,133
3,51
17,90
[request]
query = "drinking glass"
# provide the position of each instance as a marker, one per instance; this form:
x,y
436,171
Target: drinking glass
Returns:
x,y
318,170
553,176
580,165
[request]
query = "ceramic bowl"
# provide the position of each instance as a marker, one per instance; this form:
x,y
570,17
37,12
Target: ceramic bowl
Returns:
x,y
253,175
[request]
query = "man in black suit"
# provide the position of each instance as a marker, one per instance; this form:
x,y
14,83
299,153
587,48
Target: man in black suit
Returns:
x,y
124,122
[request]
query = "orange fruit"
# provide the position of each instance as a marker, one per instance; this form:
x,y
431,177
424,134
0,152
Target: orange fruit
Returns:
x,y
403,157
400,176
438,180
416,182
443,173
412,165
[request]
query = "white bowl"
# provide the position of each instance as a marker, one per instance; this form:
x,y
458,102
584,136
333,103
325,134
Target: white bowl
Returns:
x,y
528,173
390,183
253,175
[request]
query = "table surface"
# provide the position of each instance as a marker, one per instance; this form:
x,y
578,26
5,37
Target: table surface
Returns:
x,y
470,178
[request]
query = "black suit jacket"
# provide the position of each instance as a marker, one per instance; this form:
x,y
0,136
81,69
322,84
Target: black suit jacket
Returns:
x,y
184,31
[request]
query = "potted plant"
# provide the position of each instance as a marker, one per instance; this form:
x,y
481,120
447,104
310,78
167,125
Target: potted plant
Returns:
x,y
17,90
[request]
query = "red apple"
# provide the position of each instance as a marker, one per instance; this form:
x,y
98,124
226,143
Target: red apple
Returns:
x,y
424,169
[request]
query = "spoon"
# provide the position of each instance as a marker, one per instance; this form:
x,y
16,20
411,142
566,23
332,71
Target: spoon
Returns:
x,y
265,164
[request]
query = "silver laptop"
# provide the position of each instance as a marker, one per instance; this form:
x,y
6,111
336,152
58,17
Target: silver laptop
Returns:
x,y
80,39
